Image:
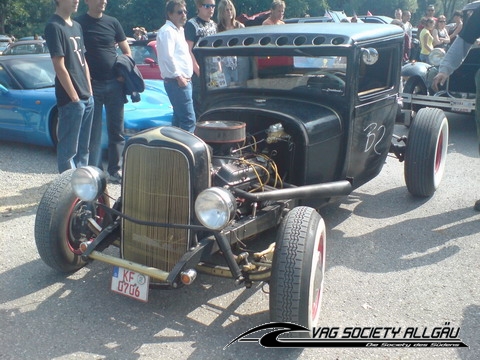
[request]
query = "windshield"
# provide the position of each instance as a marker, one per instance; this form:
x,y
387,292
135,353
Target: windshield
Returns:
x,y
317,75
34,74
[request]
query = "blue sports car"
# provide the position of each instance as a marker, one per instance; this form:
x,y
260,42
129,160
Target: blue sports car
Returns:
x,y
28,109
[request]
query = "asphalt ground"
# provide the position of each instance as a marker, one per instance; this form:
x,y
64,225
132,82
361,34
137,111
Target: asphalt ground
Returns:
x,y
392,261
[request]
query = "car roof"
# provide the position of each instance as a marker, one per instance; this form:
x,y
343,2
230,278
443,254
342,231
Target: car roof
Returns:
x,y
26,57
143,42
336,15
21,42
297,35
382,18
471,6
309,19
30,38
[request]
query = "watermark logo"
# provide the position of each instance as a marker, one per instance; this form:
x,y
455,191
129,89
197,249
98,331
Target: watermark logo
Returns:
x,y
296,336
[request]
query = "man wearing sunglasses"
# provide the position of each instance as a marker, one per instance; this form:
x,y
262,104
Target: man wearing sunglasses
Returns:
x,y
197,28
429,13
176,66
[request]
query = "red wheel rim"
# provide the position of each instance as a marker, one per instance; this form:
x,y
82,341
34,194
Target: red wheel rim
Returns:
x,y
73,230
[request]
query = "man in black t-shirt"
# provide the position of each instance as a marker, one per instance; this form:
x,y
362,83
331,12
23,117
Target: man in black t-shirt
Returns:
x,y
72,86
102,33
196,28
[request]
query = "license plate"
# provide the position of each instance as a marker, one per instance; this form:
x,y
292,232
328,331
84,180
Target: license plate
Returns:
x,y
461,106
130,283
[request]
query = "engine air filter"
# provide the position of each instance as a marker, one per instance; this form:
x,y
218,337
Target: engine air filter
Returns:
x,y
221,132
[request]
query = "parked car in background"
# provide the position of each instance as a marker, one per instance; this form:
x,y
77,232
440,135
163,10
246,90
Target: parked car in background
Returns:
x,y
24,47
240,197
375,19
308,19
28,106
36,37
336,15
144,52
4,41
458,93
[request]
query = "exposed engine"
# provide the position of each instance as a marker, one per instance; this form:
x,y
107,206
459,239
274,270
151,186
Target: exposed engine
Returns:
x,y
244,160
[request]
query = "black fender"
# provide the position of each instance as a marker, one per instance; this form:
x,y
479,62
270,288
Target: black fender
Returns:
x,y
416,69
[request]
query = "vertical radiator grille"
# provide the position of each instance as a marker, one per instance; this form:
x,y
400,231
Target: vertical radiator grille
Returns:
x,y
156,188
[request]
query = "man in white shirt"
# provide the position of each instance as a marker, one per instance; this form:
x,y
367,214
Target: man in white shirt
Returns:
x,y
176,65
408,27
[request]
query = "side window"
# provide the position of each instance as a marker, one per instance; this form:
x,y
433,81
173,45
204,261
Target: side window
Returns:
x,y
140,53
152,53
5,79
379,76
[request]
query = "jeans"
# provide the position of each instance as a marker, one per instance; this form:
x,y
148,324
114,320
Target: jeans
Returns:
x,y
182,103
424,58
196,90
108,94
243,68
74,128
231,75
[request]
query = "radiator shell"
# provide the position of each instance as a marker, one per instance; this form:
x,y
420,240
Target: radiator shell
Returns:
x,y
164,170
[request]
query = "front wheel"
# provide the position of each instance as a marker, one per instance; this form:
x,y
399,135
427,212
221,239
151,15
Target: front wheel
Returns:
x,y
53,126
298,268
426,152
61,224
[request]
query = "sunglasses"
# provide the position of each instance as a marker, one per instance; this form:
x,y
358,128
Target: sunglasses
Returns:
x,y
208,6
181,12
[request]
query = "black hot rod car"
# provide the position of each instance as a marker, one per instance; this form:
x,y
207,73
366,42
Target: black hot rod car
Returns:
x,y
305,115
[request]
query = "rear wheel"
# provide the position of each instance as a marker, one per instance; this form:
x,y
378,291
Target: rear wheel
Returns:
x,y
415,86
426,152
298,268
54,127
61,224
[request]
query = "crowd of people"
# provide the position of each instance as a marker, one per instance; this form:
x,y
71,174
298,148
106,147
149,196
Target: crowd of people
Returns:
x,y
433,31
87,82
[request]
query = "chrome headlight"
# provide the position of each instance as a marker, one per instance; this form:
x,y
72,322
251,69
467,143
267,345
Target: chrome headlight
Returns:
x,y
215,208
88,183
369,56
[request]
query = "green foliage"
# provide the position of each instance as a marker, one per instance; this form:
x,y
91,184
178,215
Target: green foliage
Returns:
x,y
448,7
27,17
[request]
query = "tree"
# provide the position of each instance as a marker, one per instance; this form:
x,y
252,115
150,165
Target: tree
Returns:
x,y
38,13
10,10
449,6
295,8
26,17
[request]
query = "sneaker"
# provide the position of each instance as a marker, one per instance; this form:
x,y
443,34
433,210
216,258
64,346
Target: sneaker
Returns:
x,y
476,207
115,178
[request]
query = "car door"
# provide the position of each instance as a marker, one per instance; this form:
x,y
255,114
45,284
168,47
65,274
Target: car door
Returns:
x,y
375,109
11,119
145,57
